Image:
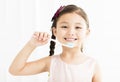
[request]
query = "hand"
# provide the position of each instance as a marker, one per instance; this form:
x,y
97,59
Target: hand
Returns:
x,y
39,38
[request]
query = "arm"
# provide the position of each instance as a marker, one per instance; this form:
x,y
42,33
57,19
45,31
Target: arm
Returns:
x,y
97,74
20,66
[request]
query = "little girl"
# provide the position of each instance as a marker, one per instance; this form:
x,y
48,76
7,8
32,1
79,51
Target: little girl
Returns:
x,y
70,27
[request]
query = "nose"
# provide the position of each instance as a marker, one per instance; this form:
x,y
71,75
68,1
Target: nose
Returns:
x,y
71,31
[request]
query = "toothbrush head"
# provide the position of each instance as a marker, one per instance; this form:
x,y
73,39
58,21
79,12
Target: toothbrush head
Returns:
x,y
69,44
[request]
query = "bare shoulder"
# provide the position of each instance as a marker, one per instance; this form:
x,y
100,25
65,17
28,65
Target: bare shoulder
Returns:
x,y
92,59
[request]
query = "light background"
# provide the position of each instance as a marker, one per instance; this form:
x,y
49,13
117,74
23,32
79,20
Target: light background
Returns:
x,y
20,18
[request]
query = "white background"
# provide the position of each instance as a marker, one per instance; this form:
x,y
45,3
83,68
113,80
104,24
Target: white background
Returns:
x,y
20,18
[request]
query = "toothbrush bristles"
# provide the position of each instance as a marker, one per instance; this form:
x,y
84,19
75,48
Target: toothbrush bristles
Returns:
x,y
69,44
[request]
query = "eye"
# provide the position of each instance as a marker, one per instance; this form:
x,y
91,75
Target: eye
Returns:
x,y
78,27
63,26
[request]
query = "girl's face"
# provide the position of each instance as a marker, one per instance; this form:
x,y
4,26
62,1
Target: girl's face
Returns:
x,y
72,28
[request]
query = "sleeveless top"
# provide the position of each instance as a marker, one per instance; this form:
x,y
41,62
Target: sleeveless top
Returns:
x,y
63,72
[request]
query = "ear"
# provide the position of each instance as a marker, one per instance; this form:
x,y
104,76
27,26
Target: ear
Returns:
x,y
54,30
88,32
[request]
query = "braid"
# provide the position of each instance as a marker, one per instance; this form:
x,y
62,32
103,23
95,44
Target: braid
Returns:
x,y
52,46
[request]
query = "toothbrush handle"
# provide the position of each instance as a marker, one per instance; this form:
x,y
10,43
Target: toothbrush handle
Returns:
x,y
53,40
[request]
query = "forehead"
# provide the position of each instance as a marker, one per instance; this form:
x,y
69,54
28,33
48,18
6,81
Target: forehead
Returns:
x,y
71,18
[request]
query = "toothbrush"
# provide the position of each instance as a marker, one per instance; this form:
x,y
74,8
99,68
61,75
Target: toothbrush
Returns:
x,y
69,44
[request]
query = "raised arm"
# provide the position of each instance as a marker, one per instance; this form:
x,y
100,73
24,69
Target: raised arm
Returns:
x,y
20,66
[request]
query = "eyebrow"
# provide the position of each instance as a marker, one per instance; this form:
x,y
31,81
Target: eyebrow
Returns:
x,y
67,22
78,23
63,22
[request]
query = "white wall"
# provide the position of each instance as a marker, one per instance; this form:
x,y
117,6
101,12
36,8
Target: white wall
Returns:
x,y
20,18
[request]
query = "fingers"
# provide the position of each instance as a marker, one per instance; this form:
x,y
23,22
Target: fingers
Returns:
x,y
42,36
45,36
36,35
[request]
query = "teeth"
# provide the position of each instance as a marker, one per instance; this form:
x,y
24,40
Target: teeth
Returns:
x,y
70,39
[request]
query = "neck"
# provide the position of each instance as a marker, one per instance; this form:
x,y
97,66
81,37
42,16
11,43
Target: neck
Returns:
x,y
72,56
72,52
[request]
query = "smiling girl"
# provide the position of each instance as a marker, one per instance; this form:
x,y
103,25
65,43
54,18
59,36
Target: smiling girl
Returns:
x,y
70,27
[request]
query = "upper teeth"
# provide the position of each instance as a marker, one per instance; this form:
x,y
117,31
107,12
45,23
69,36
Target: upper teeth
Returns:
x,y
70,39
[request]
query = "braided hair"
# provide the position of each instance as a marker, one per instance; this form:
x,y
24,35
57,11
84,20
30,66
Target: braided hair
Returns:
x,y
61,11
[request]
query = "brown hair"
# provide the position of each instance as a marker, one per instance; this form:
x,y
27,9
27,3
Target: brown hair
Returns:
x,y
61,11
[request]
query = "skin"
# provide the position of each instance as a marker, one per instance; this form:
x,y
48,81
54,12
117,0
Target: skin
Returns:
x,y
70,28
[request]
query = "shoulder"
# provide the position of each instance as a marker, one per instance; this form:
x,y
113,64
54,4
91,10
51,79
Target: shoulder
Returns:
x,y
92,62
90,59
54,59
47,60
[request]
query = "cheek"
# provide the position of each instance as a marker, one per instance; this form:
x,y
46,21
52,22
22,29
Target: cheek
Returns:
x,y
59,33
82,34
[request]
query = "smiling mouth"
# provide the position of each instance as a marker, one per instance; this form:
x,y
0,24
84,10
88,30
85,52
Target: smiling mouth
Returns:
x,y
70,39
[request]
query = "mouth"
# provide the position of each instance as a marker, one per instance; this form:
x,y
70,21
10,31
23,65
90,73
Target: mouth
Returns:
x,y
70,39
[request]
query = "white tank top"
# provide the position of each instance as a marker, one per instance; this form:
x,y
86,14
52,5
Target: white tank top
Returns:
x,y
63,72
